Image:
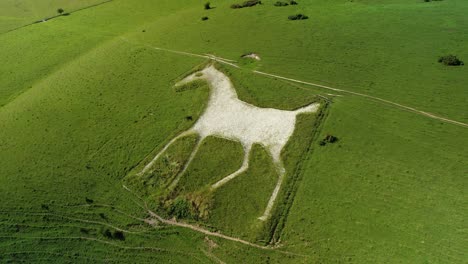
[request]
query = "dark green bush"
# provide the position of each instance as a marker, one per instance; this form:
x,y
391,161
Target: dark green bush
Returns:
x,y
180,208
331,139
450,60
119,235
248,3
328,139
292,2
279,3
204,18
106,233
60,11
298,17
207,6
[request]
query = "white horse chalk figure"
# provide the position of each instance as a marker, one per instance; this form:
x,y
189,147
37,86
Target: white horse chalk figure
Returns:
x,y
228,117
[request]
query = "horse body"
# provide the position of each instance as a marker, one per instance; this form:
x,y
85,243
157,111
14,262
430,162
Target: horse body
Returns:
x,y
228,117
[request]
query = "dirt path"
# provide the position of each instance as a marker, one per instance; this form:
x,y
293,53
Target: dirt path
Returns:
x,y
387,102
204,231
408,108
157,218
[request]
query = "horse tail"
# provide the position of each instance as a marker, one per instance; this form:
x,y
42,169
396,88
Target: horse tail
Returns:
x,y
312,108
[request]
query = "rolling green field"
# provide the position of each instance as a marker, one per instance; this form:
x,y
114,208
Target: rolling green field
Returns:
x,y
86,100
17,13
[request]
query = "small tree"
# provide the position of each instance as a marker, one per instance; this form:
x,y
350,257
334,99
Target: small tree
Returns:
x,y
207,5
450,60
60,11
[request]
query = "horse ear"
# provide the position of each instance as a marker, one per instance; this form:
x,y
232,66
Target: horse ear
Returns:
x,y
191,82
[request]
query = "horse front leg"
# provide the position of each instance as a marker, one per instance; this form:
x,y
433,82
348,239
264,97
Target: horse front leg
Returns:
x,y
281,173
151,163
243,168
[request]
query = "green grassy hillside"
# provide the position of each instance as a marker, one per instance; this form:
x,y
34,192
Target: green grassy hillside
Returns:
x,y
17,13
86,100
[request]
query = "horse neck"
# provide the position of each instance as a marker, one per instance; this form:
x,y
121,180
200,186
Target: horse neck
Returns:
x,y
220,85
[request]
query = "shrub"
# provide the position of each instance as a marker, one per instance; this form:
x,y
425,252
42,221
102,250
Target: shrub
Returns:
x,y
103,216
328,139
119,235
180,208
60,11
292,2
279,3
106,233
204,18
450,60
207,5
331,139
248,3
298,17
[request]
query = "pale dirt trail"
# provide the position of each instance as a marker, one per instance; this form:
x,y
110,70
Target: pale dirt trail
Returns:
x,y
202,230
408,108
215,234
230,63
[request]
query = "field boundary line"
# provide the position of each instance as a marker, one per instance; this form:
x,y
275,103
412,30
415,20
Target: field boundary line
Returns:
x,y
56,16
388,102
207,232
408,108
290,191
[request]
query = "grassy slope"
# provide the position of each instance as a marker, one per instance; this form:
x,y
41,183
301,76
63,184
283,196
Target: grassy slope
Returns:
x,y
391,190
124,107
17,13
386,48
39,50
239,203
216,158
343,49
350,49
120,120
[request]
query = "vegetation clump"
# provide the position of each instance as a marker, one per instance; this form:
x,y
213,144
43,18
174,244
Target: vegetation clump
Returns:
x,y
194,205
207,5
328,139
60,11
292,2
180,208
298,17
450,60
280,3
248,3
204,18
116,235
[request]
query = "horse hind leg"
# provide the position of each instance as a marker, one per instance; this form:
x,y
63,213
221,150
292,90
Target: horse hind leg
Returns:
x,y
187,164
281,174
243,168
151,163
